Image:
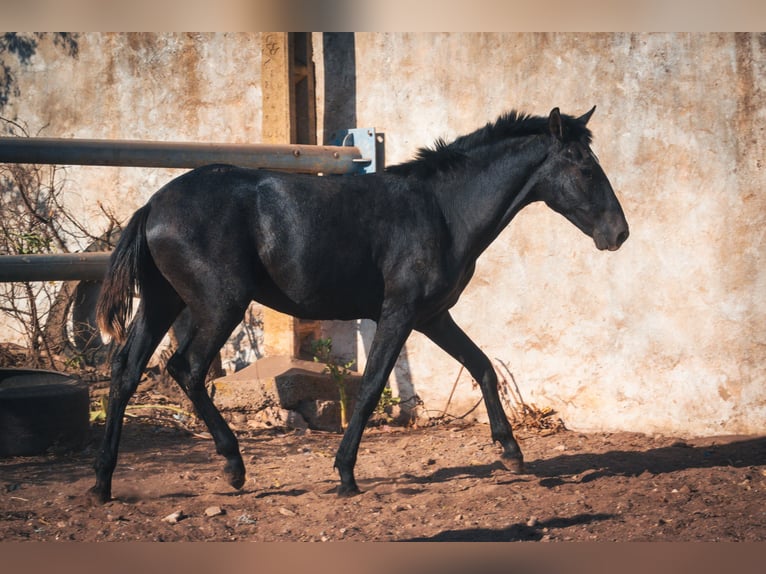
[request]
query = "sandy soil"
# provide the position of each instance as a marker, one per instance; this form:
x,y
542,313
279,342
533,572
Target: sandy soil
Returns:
x,y
443,483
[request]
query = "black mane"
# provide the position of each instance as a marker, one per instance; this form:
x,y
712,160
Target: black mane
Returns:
x,y
443,156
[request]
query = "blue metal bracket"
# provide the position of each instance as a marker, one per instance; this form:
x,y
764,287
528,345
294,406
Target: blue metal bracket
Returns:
x,y
370,144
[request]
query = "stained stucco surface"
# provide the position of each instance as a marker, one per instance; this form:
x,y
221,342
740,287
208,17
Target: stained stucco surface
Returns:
x,y
666,335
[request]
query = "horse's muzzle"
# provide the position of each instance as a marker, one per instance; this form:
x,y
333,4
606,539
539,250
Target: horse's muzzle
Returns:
x,y
611,234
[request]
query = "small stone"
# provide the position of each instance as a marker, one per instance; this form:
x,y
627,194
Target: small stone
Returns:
x,y
532,522
285,511
246,519
294,420
174,517
211,511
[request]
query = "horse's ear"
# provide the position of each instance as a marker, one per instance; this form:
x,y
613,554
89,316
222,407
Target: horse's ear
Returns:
x,y
554,124
586,116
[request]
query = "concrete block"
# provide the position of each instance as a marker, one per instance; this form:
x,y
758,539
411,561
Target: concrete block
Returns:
x,y
286,383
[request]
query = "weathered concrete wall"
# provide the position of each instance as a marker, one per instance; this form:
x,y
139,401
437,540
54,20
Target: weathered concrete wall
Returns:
x,y
167,87
164,87
666,335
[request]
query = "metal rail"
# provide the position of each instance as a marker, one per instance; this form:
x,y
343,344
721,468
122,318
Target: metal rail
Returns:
x,y
137,153
54,267
335,159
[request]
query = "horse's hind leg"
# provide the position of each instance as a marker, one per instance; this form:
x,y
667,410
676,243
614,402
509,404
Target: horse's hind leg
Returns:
x,y
444,332
144,334
189,366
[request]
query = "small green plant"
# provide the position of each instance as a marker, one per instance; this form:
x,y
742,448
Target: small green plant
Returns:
x,y
75,363
321,349
32,243
387,400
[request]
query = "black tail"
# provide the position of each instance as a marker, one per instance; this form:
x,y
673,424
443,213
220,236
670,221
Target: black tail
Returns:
x,y
127,266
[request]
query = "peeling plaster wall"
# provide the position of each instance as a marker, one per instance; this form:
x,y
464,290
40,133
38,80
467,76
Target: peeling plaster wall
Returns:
x,y
666,335
167,87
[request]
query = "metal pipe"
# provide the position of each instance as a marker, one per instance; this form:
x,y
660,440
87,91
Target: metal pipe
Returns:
x,y
137,153
89,266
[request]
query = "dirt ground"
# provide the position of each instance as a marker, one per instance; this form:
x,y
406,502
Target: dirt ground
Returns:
x,y
439,483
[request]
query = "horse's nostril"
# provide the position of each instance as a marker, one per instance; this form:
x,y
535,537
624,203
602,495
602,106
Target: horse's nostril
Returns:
x,y
622,237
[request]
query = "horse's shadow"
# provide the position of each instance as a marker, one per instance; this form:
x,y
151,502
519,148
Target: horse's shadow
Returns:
x,y
445,474
592,466
587,467
680,456
514,533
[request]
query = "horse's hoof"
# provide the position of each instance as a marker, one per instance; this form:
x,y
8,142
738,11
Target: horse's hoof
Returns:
x,y
237,480
514,464
98,496
347,491
236,473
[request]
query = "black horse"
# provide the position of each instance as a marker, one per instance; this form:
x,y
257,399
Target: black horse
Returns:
x,y
397,248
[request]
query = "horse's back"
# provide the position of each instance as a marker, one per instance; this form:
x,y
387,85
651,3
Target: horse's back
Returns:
x,y
303,244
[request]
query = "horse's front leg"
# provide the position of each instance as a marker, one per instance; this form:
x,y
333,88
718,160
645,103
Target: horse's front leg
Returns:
x,y
446,334
393,329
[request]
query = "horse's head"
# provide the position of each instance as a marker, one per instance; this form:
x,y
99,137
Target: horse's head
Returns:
x,y
574,184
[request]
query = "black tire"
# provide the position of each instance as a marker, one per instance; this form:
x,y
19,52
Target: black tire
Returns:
x,y
41,410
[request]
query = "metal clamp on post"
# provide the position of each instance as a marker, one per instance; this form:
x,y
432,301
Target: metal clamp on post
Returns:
x,y
368,142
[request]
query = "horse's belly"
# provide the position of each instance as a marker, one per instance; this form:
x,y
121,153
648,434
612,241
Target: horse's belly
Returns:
x,y
341,300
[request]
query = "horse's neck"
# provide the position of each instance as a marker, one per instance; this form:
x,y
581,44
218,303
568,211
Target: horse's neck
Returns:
x,y
479,204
